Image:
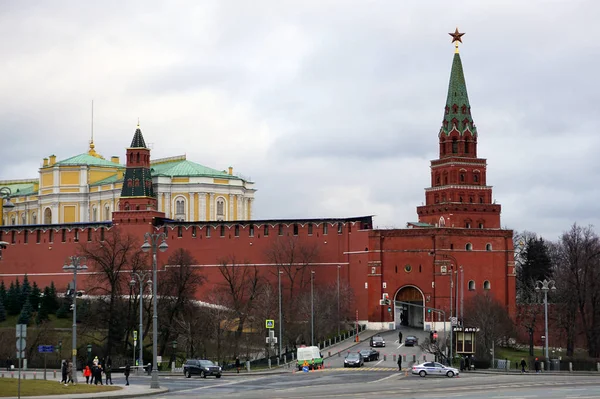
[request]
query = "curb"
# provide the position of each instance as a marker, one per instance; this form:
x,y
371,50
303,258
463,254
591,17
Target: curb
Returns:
x,y
103,396
595,373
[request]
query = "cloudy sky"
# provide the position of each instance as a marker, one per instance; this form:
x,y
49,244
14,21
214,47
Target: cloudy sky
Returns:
x,y
331,107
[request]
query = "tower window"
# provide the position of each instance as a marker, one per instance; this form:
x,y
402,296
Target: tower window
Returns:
x,y
325,228
193,231
179,231
266,231
471,285
481,225
237,230
222,231
454,146
488,247
280,232
469,247
467,225
471,199
466,147
481,200
486,285
310,229
462,177
475,178
295,229
251,231
437,180
207,231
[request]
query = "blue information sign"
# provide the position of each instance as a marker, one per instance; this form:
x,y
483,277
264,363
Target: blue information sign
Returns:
x,y
45,348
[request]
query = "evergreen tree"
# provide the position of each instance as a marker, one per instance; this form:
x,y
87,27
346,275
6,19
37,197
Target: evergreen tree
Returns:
x,y
42,315
536,266
35,295
53,299
25,291
63,311
19,304
12,300
2,311
26,312
2,292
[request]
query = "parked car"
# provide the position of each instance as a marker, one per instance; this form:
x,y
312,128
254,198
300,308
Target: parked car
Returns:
x,y
354,359
369,354
411,340
203,368
377,341
434,368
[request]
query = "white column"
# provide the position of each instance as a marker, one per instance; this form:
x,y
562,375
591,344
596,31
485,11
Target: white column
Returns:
x,y
192,203
202,207
212,207
240,207
168,205
230,213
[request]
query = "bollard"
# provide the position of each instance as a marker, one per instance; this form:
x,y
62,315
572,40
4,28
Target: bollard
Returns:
x,y
542,364
414,358
248,365
269,362
394,358
54,374
424,358
24,376
329,354
339,354
570,367
384,358
12,375
34,375
172,367
598,366
284,359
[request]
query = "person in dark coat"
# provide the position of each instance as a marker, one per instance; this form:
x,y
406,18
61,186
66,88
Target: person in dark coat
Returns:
x,y
108,374
237,364
127,371
462,364
400,337
537,365
63,370
399,362
523,365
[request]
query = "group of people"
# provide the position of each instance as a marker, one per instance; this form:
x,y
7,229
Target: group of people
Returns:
x,y
93,374
536,365
67,372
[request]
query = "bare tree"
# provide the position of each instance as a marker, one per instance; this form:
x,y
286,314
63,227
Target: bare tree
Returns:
x,y
110,259
177,287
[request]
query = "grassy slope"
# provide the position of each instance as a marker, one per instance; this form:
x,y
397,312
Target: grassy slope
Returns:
x,y
8,387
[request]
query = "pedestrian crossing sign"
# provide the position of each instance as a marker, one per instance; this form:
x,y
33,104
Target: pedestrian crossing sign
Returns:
x,y
270,323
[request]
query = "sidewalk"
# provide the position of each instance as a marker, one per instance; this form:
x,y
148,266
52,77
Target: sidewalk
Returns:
x,y
515,371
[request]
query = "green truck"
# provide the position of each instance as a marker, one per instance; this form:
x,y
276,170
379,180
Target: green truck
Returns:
x,y
309,356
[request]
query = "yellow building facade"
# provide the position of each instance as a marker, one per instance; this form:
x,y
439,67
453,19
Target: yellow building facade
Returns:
x,y
87,187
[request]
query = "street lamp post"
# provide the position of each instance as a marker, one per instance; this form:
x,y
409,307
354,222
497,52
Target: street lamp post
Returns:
x,y
545,286
280,319
151,243
312,309
5,194
75,264
141,276
338,300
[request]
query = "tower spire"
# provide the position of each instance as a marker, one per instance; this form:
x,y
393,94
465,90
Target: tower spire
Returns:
x,y
92,150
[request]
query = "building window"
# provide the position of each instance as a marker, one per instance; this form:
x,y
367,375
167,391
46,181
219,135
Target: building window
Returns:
x,y
466,146
437,180
23,219
476,178
295,229
471,285
76,235
486,285
467,225
280,229
94,214
462,177
207,231
38,237
222,231
48,216
310,229
193,231
63,235
488,247
25,237
237,230
251,231
220,209
481,200
481,225
469,247
13,220
454,146
180,209
107,212
325,228
89,235
179,231
442,221
340,227
266,231
51,236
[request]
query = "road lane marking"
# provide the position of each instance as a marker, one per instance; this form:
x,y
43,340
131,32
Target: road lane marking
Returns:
x,y
400,346
221,385
377,364
384,378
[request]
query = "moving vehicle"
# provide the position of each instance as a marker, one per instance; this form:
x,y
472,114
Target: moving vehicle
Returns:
x,y
369,354
354,359
434,368
377,341
309,356
201,367
411,340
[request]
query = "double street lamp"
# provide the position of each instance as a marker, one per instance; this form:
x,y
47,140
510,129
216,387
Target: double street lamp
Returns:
x,y
141,276
5,194
312,309
279,273
75,264
545,286
151,242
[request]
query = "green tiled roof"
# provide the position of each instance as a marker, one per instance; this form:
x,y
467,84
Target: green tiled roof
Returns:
x,y
109,180
185,168
86,159
457,96
420,224
20,188
138,139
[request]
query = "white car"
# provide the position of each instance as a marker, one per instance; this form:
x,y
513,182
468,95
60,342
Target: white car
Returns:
x,y
433,368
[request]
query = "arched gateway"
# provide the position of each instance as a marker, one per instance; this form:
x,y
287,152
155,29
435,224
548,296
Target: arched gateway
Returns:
x,y
410,310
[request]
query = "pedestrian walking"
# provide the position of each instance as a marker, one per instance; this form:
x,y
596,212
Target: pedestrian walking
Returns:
x,y
400,337
63,370
87,373
127,371
108,374
523,364
399,362
69,373
462,364
537,365
237,364
467,363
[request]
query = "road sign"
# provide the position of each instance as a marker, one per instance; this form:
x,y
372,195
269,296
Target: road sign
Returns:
x,y
45,348
74,352
21,330
20,355
270,323
135,335
20,344
454,320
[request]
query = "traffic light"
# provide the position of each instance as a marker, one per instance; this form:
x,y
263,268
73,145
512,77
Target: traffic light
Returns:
x,y
428,310
435,336
390,309
71,307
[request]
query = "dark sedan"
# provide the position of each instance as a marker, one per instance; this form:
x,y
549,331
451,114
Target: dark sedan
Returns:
x,y
353,360
203,368
411,340
369,354
377,341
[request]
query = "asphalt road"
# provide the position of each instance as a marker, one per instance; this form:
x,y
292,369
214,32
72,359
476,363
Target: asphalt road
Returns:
x,y
360,383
